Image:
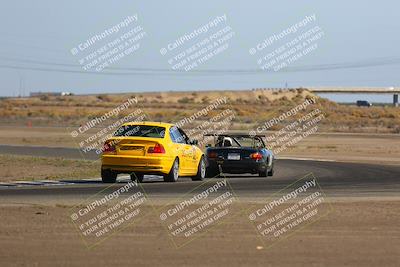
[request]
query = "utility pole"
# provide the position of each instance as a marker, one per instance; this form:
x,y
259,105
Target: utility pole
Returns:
x,y
21,90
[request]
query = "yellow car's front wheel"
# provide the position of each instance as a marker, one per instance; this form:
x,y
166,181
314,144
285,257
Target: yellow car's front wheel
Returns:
x,y
201,170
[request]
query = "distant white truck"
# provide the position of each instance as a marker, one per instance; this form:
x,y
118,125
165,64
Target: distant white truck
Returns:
x,y
66,93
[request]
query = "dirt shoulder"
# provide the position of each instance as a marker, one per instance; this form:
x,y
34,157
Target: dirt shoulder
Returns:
x,y
363,148
354,233
27,168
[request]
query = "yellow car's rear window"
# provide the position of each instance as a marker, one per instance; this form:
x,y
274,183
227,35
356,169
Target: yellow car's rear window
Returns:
x,y
141,131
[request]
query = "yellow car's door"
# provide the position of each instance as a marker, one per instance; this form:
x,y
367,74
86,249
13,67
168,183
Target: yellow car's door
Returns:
x,y
189,159
190,154
179,147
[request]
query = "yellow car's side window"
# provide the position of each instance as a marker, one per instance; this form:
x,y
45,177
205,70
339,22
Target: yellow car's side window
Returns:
x,y
176,136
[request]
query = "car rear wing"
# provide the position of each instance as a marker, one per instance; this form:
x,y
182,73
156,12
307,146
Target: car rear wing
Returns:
x,y
235,137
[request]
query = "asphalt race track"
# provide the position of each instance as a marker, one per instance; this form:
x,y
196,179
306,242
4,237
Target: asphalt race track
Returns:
x,y
360,216
336,179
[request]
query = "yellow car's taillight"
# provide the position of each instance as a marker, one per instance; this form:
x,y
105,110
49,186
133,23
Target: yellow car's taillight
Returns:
x,y
109,147
157,149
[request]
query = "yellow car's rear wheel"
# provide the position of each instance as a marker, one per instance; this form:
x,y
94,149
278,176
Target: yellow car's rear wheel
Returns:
x,y
108,176
173,174
137,177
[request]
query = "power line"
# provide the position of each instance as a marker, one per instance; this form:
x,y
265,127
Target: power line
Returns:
x,y
158,71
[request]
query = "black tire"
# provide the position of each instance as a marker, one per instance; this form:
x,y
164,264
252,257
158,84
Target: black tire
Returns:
x,y
137,177
271,171
201,170
173,174
211,173
108,176
263,173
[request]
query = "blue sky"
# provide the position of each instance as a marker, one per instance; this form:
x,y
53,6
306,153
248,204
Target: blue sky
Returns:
x,y
355,32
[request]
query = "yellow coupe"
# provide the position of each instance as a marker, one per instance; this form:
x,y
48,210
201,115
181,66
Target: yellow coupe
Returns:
x,y
140,148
